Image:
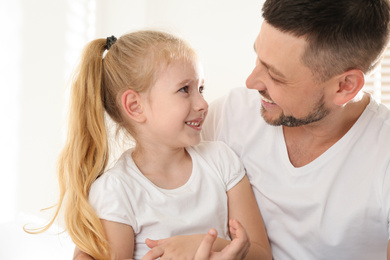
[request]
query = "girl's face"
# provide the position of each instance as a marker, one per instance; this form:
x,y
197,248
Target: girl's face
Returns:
x,y
175,108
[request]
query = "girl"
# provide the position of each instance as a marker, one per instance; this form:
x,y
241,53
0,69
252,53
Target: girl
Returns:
x,y
169,184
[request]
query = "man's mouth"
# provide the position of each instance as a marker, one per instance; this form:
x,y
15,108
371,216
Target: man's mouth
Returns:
x,y
266,99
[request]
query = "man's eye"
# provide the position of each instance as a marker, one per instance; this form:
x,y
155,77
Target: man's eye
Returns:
x,y
270,76
184,89
201,89
273,79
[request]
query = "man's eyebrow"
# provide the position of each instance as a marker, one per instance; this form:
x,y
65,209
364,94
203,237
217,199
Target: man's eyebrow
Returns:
x,y
272,69
268,66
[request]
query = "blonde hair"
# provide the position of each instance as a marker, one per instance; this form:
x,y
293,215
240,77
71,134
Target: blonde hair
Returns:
x,y
132,62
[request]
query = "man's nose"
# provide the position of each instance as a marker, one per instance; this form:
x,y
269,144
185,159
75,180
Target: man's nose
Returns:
x,y
254,80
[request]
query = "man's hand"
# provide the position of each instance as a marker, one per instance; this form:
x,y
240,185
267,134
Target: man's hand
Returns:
x,y
237,249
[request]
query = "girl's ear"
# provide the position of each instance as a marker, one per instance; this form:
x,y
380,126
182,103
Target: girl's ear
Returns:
x,y
132,105
350,83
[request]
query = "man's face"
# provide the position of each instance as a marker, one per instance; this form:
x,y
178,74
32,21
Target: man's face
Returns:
x,y
289,94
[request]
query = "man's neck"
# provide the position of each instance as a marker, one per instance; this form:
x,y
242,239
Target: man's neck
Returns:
x,y
306,143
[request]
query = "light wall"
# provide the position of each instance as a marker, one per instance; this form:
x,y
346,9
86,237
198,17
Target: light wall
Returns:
x,y
40,43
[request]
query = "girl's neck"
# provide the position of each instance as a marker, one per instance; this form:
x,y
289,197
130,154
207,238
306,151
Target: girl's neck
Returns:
x,y
166,168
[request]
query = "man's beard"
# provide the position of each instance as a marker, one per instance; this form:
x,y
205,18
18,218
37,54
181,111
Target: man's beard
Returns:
x,y
319,113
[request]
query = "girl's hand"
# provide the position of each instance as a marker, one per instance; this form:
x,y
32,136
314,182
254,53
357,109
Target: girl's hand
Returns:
x,y
205,249
182,247
177,247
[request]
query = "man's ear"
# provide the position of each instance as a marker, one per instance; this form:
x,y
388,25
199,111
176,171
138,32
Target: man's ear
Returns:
x,y
132,105
349,85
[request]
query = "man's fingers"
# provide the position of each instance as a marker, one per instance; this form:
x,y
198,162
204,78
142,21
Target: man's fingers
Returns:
x,y
205,247
240,243
237,229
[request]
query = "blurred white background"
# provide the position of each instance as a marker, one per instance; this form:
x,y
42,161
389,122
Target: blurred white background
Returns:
x,y
40,43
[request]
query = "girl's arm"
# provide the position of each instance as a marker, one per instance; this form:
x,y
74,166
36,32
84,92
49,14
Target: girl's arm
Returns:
x,y
120,238
80,255
243,207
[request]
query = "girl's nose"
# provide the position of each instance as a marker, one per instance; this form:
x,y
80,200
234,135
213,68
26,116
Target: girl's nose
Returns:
x,y
200,103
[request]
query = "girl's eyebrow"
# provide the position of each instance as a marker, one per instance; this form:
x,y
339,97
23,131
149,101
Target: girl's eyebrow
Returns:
x,y
185,82
188,81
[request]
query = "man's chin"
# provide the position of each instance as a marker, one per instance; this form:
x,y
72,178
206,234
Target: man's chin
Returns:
x,y
268,120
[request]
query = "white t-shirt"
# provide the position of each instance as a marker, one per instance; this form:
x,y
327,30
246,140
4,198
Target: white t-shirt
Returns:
x,y
123,194
337,206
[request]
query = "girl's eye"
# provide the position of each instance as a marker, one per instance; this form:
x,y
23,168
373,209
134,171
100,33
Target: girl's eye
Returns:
x,y
184,89
201,88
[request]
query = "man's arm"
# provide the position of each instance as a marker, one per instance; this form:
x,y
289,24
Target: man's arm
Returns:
x,y
243,206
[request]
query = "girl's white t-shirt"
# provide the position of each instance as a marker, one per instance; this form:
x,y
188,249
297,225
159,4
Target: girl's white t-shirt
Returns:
x,y
123,194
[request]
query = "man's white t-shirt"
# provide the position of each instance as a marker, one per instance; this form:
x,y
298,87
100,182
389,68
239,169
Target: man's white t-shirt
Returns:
x,y
123,194
337,206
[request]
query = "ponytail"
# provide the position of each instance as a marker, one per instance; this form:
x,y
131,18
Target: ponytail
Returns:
x,y
85,155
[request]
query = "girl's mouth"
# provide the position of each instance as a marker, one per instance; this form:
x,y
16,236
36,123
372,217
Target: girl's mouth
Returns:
x,y
193,123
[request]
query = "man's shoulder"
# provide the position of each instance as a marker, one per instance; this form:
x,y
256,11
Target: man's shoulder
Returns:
x,y
378,115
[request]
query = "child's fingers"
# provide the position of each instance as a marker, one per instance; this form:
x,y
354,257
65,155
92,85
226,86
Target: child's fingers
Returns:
x,y
153,253
153,243
205,247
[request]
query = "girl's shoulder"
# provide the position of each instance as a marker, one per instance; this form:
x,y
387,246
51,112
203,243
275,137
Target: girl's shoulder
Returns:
x,y
216,151
221,160
118,174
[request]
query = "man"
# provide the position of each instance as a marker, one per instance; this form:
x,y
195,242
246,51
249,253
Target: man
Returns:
x,y
319,157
